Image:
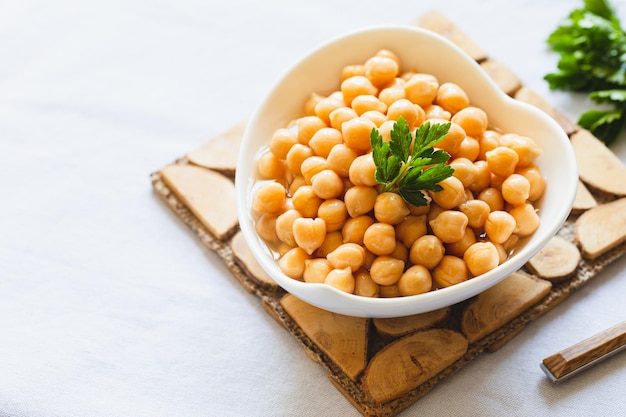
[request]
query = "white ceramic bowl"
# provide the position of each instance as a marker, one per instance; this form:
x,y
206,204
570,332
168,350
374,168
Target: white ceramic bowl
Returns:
x,y
427,52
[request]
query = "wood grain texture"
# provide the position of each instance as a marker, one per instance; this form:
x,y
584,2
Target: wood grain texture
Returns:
x,y
601,228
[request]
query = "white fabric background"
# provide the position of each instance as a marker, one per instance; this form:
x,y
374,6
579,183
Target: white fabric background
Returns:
x,y
110,307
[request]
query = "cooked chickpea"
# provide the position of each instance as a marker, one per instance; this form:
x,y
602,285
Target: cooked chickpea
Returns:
x,y
356,133
284,226
459,248
472,119
360,199
375,116
421,89
515,189
340,159
415,280
483,177
332,241
363,171
526,219
308,233
282,141
357,85
391,94
269,198
502,161
469,148
352,70
427,251
535,179
381,70
452,194
364,285
296,155
327,184
342,279
323,141
306,201
292,263
390,208
265,227
450,271
526,148
326,106
451,97
341,115
307,126
488,141
347,255
309,105
311,166
452,141
333,212
412,113
493,197
388,291
316,270
354,228
385,130
481,257
464,170
436,112
400,252
476,212
499,226
364,103
502,253
389,54
297,182
386,270
410,229
380,239
270,167
449,226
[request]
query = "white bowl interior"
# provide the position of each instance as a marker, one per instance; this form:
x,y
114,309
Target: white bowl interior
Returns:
x,y
425,52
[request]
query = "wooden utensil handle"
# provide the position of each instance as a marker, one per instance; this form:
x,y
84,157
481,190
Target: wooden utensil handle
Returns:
x,y
584,353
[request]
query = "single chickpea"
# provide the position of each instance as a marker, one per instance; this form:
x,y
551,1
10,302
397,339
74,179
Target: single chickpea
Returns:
x,y
381,70
526,219
502,161
380,239
311,102
476,212
535,179
391,94
363,171
388,291
450,271
347,255
282,141
327,184
296,182
493,197
332,241
464,170
451,97
449,226
326,106
459,248
415,280
400,252
311,166
333,212
340,159
357,85
496,182
481,257
352,70
356,133
483,177
389,54
296,155
265,227
385,130
270,167
452,141
364,285
270,197
452,194
421,89
307,126
284,226
503,255
390,208
488,141
308,233
410,229
434,211
515,189
499,226
341,115
469,148
472,119
434,111
364,103
316,270
386,270
525,147
360,199
375,116
342,279
510,244
292,263
323,141
427,251
412,113
306,201
354,228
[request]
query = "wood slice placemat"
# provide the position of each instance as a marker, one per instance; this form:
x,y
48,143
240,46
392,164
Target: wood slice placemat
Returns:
x,y
382,365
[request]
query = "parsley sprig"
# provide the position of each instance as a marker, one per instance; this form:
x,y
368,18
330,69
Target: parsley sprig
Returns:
x,y
410,166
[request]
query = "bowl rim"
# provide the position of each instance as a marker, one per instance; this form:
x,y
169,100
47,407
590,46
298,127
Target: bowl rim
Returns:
x,y
455,293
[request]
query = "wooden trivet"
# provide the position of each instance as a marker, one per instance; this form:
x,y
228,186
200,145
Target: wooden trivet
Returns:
x,y
383,366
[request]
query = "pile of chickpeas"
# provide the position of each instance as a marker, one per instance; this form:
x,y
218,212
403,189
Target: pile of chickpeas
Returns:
x,y
318,207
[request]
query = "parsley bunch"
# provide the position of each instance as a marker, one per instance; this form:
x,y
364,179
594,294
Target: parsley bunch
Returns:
x,y
409,166
592,49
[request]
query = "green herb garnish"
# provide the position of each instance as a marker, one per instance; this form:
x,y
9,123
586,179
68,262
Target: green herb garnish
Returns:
x,y
592,49
409,167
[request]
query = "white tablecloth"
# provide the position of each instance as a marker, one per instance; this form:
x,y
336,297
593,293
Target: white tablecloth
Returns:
x,y
109,306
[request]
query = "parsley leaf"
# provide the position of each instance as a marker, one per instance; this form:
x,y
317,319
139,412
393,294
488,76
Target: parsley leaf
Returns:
x,y
409,166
